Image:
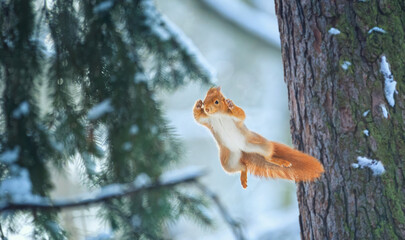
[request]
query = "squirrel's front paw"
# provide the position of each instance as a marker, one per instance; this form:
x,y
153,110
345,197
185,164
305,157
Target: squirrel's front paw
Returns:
x,y
229,103
198,104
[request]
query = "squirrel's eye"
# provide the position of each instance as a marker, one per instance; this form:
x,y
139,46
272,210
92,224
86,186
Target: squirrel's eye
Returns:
x,y
216,102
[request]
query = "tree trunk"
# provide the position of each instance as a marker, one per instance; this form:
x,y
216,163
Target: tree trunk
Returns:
x,y
337,90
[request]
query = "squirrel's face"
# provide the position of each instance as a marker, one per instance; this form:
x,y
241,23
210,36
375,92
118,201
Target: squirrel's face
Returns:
x,y
214,101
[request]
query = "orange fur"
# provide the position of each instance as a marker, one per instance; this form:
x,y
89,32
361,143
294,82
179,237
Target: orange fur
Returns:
x,y
267,159
304,167
243,179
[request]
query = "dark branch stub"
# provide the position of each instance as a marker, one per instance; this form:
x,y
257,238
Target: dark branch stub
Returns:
x,y
233,224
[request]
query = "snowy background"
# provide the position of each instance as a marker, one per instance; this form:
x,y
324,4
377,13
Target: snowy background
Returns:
x,y
249,69
240,41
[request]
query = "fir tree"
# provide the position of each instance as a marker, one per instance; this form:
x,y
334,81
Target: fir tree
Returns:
x,y
101,63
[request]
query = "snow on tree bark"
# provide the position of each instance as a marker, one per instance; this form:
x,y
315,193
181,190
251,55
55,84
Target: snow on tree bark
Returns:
x,y
328,105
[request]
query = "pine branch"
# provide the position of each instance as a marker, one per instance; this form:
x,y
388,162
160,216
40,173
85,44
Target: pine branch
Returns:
x,y
165,31
1,233
117,191
233,224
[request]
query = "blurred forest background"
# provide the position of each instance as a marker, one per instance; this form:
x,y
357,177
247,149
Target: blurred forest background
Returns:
x,y
250,72
239,39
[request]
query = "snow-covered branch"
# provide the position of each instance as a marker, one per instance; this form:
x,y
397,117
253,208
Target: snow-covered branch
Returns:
x,y
107,192
165,30
258,23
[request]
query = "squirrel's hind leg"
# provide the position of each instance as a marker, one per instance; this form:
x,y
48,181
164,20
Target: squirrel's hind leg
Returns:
x,y
230,160
243,179
262,146
278,161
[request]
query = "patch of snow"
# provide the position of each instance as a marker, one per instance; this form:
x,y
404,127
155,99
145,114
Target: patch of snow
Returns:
x,y
49,45
175,174
384,111
376,166
9,43
134,129
142,180
103,6
102,236
10,156
22,110
154,130
366,113
334,31
17,188
117,189
91,166
58,146
140,77
355,165
55,227
163,34
100,109
366,132
154,21
346,64
376,29
136,221
390,84
127,146
208,214
112,189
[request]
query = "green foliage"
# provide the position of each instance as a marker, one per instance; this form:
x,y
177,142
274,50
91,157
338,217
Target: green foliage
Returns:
x,y
89,54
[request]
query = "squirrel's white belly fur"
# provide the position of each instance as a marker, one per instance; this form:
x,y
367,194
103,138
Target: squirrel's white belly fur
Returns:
x,y
231,137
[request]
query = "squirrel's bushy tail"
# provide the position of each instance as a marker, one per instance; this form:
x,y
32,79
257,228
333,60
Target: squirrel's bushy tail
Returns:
x,y
304,167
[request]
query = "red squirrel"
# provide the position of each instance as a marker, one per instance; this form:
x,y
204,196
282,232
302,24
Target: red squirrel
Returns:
x,y
242,150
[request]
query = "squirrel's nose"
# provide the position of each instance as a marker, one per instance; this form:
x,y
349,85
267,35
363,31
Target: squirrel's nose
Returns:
x,y
207,110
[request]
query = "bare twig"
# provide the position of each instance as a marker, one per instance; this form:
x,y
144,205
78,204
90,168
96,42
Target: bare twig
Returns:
x,y
233,224
124,190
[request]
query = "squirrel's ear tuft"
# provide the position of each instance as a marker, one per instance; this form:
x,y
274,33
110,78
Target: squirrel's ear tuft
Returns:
x,y
213,90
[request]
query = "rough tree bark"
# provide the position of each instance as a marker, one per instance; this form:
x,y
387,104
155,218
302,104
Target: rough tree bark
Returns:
x,y
329,112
